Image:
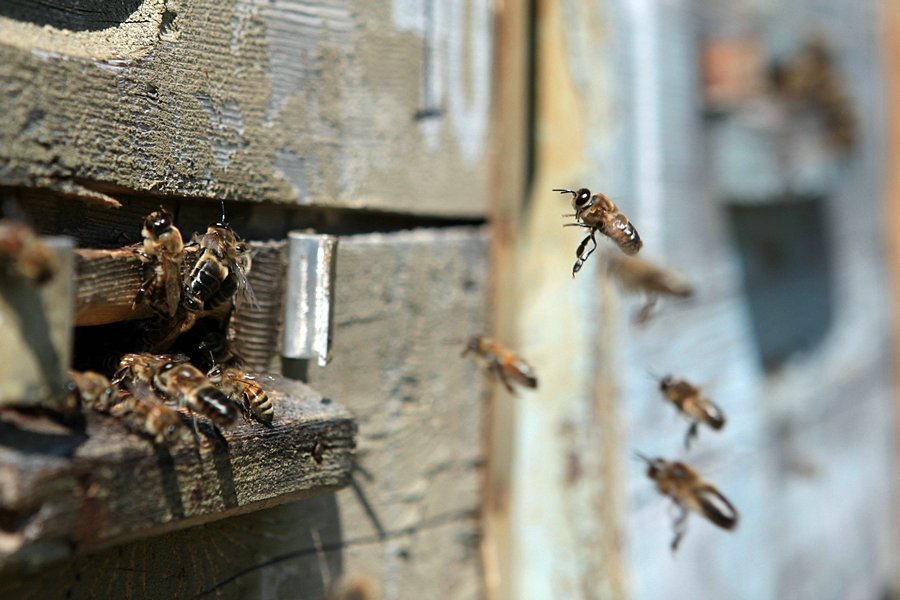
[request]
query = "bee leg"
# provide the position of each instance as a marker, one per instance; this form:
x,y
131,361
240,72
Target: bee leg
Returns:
x,y
680,528
646,311
582,256
498,370
692,432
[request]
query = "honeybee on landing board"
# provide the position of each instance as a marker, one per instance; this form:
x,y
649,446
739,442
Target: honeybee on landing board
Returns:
x,y
143,413
596,212
637,275
501,363
689,492
179,381
24,254
690,401
241,386
162,255
220,273
91,390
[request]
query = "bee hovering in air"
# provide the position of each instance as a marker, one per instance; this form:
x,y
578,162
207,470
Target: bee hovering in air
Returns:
x,y
637,275
240,386
23,254
689,492
690,401
501,363
598,213
179,381
162,255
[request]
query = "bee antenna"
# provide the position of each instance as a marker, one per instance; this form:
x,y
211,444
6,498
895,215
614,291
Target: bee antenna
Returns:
x,y
653,376
223,213
642,457
562,191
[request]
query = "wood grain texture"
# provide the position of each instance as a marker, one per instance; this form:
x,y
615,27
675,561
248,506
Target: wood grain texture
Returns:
x,y
333,103
69,493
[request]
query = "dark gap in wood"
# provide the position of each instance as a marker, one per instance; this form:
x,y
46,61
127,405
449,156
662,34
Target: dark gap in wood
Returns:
x,y
51,213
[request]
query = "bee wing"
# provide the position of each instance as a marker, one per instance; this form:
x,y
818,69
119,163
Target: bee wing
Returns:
x,y
716,507
243,284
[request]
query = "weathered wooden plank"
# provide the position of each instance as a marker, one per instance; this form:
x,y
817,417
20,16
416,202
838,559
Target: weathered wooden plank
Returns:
x,y
405,303
63,493
335,103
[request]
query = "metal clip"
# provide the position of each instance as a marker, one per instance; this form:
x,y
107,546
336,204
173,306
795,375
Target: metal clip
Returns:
x,y
309,297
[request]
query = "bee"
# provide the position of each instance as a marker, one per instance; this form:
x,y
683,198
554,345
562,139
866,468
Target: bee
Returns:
x,y
356,587
219,350
501,363
220,273
24,255
637,275
162,255
689,492
238,384
91,389
690,401
178,380
143,413
598,213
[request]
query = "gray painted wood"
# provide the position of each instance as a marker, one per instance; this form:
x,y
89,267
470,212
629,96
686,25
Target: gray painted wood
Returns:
x,y
338,103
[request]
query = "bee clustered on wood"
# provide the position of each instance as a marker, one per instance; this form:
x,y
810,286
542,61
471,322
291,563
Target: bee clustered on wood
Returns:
x,y
183,361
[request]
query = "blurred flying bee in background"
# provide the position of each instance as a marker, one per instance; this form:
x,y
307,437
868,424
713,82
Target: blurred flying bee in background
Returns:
x,y
690,401
353,587
598,213
809,79
689,492
501,363
243,387
179,381
23,254
162,255
637,275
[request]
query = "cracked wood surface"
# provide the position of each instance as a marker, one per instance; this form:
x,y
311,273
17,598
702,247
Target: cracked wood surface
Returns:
x,y
63,492
332,103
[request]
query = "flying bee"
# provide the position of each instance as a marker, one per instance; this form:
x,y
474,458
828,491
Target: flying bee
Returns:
x,y
23,254
220,273
598,213
637,275
162,255
179,381
501,363
690,401
239,385
689,492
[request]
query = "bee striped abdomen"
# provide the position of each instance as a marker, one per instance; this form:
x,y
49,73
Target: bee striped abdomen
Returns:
x,y
214,405
625,235
205,280
259,404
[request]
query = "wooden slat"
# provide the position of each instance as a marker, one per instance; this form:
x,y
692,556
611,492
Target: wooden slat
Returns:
x,y
331,103
63,492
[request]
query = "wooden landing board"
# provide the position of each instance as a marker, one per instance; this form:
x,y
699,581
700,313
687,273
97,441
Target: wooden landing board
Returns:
x,y
62,493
